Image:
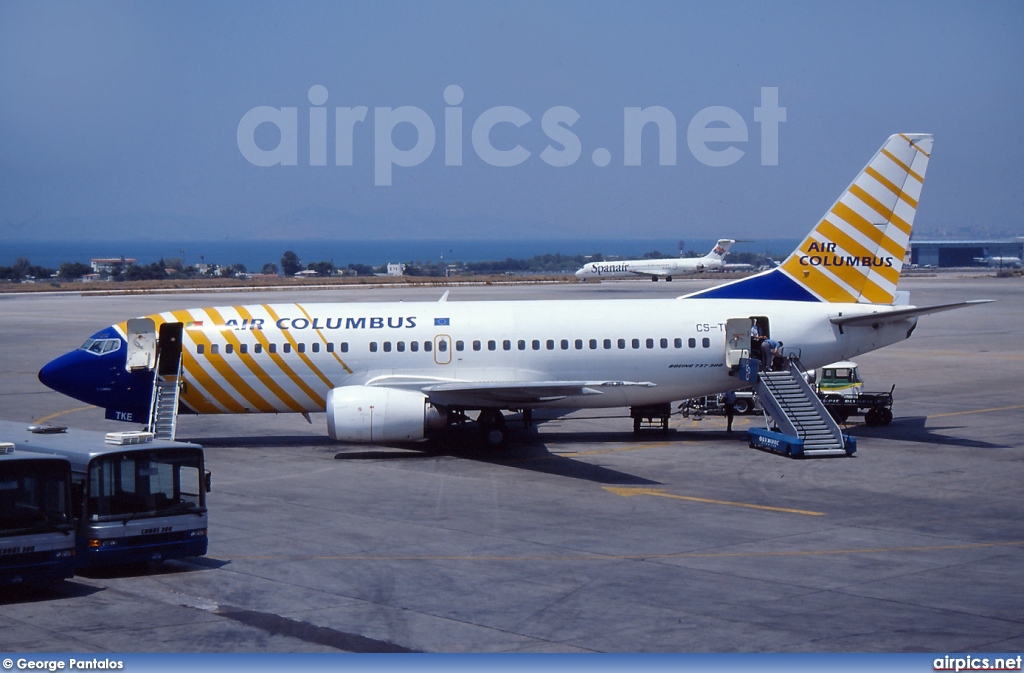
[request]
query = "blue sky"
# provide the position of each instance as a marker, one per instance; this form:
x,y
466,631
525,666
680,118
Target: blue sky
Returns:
x,y
121,119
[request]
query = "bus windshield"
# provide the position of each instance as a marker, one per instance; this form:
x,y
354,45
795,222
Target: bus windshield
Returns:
x,y
33,498
145,483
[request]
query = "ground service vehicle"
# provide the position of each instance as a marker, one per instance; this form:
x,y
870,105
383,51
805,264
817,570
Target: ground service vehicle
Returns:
x,y
841,390
134,499
37,537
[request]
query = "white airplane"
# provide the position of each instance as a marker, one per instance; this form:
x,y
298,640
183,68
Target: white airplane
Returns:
x,y
1000,262
395,371
657,268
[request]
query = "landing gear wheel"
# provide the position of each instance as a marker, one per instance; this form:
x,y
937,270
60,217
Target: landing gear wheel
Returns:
x,y
492,428
496,438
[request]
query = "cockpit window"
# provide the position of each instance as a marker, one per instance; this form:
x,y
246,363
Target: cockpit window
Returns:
x,y
101,346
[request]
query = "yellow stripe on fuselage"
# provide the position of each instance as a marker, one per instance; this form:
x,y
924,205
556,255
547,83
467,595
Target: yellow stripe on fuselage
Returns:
x,y
317,399
324,339
282,366
250,362
194,370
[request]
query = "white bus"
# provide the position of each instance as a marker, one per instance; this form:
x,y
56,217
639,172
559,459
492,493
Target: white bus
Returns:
x,y
37,535
134,499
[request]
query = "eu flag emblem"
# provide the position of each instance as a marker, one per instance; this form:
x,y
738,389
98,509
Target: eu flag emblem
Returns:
x,y
441,321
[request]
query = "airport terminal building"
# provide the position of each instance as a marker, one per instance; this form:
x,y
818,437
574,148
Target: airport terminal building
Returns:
x,y
964,252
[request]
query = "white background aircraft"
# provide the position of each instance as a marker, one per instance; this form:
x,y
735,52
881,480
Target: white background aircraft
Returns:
x,y
401,371
657,268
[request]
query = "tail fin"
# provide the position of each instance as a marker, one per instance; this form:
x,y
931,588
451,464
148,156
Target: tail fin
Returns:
x,y
856,252
721,248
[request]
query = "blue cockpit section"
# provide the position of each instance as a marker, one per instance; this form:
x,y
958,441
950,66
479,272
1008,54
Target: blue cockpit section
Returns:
x,y
96,374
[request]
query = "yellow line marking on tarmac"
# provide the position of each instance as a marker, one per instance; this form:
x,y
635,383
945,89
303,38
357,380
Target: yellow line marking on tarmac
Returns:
x,y
627,557
976,411
61,413
628,492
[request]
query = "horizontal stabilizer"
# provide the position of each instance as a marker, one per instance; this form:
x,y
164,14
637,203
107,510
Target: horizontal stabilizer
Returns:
x,y
882,317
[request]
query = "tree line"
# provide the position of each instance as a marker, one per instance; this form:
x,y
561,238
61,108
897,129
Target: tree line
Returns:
x,y
291,264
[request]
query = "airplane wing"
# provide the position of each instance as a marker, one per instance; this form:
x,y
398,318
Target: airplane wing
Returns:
x,y
657,273
882,317
474,393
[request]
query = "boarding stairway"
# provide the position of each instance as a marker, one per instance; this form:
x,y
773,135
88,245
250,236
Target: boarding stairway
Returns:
x,y
163,409
163,415
796,411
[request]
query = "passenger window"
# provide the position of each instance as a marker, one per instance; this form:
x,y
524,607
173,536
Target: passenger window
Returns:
x,y
664,343
301,348
315,348
428,346
535,344
330,346
200,349
521,345
692,343
506,345
344,346
400,346
607,344
579,344
476,345
551,344
650,343
229,348
243,348
214,349
636,343
442,346
387,346
414,346
678,343
272,348
565,344
257,348
287,348
492,345
705,342
373,346
460,346
622,344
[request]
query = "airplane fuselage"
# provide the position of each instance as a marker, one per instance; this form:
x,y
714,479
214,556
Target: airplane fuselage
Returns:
x,y
653,268
287,357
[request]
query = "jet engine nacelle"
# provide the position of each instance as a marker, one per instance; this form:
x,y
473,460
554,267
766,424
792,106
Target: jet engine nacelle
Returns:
x,y
370,414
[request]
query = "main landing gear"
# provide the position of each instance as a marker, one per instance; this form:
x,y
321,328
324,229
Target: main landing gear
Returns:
x,y
493,430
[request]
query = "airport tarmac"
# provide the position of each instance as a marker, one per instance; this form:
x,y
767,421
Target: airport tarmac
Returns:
x,y
580,537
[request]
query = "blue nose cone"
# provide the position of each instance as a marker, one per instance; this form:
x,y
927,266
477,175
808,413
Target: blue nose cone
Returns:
x,y
98,375
80,375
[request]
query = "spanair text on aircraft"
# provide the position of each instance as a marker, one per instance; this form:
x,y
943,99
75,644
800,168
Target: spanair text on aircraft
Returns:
x,y
658,268
402,371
